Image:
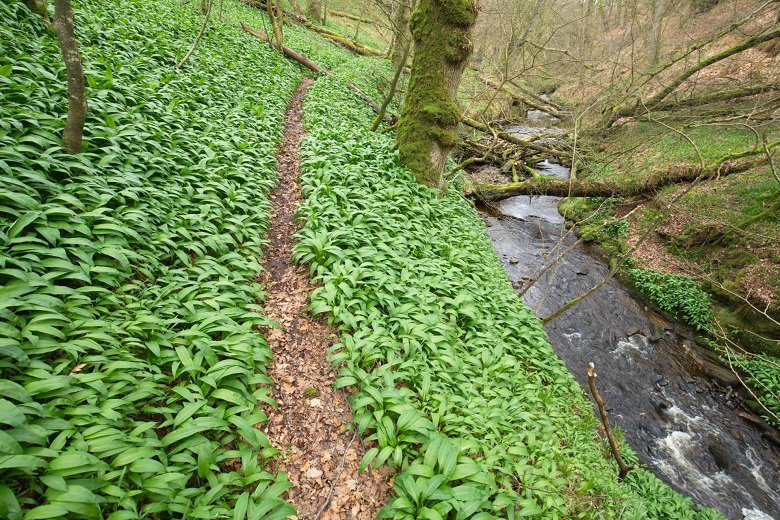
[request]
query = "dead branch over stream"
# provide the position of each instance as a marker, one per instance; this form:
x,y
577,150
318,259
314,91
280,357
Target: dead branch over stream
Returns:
x,y
606,188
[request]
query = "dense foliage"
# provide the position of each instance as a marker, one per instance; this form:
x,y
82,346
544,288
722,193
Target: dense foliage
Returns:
x,y
131,374
676,294
764,377
453,376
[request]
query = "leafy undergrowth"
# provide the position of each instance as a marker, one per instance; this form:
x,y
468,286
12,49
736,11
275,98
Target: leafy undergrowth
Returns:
x,y
451,375
131,373
636,149
678,295
764,377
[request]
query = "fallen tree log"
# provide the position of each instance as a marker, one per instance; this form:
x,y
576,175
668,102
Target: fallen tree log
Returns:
x,y
300,58
339,39
641,106
350,16
559,154
603,188
524,99
306,62
716,97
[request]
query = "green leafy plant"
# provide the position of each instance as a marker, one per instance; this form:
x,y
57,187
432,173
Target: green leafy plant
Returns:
x,y
131,371
453,379
676,294
764,378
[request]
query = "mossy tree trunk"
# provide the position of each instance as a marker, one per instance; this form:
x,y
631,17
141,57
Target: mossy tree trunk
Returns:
x,y
428,128
38,7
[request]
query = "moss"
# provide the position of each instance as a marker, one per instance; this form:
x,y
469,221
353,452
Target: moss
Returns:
x,y
461,13
428,127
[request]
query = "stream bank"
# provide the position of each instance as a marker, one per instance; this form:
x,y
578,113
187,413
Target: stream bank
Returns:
x,y
658,393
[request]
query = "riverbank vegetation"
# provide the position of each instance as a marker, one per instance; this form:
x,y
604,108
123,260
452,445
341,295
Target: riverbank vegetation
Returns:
x,y
671,112
133,344
453,377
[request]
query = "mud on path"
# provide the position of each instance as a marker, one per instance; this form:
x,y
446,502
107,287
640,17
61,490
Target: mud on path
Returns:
x,y
319,454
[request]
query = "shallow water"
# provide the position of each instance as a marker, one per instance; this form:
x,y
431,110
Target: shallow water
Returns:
x,y
677,420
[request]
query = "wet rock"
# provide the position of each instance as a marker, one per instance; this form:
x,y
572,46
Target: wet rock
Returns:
x,y
718,452
660,403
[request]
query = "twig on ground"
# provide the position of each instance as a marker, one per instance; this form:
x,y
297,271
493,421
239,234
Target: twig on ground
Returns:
x,y
324,505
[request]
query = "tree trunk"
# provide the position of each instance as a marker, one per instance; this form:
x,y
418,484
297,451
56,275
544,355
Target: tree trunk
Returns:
x,y
77,99
38,7
401,35
428,128
296,7
399,68
276,17
199,36
658,14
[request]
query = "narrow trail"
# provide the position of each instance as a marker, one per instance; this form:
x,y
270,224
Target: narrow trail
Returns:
x,y
309,427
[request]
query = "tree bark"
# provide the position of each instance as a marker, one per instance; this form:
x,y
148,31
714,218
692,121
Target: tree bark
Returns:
x,y
77,99
428,128
38,7
599,188
276,16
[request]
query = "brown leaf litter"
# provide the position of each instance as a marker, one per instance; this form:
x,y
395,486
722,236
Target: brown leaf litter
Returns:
x,y
309,427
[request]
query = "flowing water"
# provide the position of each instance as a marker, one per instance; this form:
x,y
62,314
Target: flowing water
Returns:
x,y
680,422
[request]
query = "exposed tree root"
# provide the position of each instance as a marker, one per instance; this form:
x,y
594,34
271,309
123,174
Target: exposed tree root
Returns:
x,y
309,425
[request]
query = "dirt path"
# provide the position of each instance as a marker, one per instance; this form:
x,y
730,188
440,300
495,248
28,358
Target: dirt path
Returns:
x,y
309,424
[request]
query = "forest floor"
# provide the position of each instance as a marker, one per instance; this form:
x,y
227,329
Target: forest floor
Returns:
x,y
311,425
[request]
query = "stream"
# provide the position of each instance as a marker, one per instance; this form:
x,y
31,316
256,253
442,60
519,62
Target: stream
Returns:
x,y
674,416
